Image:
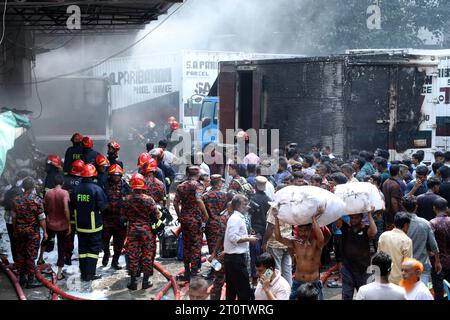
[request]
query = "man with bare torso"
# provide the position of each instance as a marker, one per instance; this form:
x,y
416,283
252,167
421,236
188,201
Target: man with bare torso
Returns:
x,y
308,249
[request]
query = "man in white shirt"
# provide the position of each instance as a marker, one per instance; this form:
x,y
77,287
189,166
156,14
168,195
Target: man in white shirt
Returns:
x,y
381,289
271,285
415,289
235,248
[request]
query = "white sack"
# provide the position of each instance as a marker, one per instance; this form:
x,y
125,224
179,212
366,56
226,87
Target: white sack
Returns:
x,y
359,197
297,204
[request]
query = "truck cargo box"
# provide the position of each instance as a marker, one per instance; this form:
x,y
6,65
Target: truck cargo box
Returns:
x,y
361,100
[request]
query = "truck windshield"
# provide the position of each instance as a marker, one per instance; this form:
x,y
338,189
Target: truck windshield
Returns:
x,y
207,110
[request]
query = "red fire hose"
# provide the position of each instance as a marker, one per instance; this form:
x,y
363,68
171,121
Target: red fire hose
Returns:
x,y
172,282
55,289
54,281
13,280
328,273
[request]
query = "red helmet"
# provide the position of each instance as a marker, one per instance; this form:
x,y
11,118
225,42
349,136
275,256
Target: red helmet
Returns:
x,y
114,145
77,168
89,171
143,158
150,166
55,161
174,125
87,142
76,138
101,160
137,182
115,170
171,119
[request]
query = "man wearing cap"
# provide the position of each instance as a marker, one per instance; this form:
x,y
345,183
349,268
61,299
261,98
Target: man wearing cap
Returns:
x,y
89,200
215,201
192,214
155,187
259,206
113,227
73,153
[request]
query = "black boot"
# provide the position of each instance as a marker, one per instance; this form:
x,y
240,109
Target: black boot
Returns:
x,y
115,263
146,283
95,277
133,284
105,258
187,274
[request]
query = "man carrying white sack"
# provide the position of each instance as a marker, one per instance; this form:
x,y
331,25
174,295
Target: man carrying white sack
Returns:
x,y
355,252
308,248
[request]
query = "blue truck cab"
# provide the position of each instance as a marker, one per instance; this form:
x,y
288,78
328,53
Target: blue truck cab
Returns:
x,y
209,121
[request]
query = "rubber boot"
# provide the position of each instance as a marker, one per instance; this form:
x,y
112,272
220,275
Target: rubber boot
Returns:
x,y
115,263
145,282
133,284
187,273
105,258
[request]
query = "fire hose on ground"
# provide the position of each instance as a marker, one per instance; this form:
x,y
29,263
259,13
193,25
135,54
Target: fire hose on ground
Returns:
x,y
54,288
12,277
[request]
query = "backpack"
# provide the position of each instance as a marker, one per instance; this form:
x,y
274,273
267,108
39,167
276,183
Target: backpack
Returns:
x,y
246,188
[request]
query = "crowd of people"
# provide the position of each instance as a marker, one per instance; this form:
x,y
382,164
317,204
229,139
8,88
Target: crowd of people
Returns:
x,y
407,245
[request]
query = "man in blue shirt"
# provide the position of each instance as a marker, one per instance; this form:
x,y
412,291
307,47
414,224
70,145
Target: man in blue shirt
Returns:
x,y
418,186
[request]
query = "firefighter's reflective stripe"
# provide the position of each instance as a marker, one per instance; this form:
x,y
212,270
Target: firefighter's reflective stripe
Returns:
x,y
88,255
93,228
156,225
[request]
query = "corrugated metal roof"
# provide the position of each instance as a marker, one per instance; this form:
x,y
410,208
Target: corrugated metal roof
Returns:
x,y
99,16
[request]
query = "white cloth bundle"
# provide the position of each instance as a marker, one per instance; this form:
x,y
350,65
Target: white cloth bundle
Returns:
x,y
359,197
298,204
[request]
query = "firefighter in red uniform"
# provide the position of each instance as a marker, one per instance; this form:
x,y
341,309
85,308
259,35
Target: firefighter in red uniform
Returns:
x,y
141,212
155,187
116,190
113,153
192,216
215,202
28,215
71,181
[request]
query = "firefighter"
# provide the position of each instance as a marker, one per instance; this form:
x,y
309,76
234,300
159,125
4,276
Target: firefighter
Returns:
x,y
89,154
144,158
73,153
192,216
113,153
28,215
71,181
101,164
215,201
155,188
141,212
89,200
52,168
113,226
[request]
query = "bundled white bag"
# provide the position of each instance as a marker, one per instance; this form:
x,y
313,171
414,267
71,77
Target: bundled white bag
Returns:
x,y
359,197
298,204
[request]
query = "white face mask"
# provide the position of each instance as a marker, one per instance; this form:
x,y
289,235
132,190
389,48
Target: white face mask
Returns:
x,y
19,183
